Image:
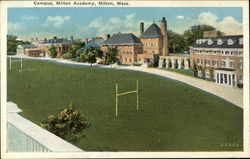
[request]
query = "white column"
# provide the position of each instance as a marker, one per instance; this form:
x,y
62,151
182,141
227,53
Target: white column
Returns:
x,y
160,63
173,62
235,80
179,64
166,62
186,66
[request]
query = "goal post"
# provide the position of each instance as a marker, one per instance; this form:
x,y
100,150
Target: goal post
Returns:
x,y
14,60
117,94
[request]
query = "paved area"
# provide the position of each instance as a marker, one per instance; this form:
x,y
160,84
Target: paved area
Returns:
x,y
233,95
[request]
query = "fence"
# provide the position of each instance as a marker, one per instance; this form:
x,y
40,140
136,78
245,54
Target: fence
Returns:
x,y
25,136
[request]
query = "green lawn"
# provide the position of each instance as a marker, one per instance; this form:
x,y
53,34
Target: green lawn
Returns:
x,y
187,72
172,117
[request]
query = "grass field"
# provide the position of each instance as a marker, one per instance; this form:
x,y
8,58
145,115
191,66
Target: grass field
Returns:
x,y
172,117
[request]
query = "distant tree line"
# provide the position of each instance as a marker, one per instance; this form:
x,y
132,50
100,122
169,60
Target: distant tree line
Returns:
x,y
180,43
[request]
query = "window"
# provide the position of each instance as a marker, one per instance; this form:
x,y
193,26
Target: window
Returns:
x,y
230,42
209,42
215,63
223,63
199,61
207,62
219,42
232,64
241,64
240,53
226,52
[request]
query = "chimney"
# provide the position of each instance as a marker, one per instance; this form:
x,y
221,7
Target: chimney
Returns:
x,y
72,38
141,28
165,51
107,36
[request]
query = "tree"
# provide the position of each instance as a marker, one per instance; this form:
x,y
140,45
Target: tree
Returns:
x,y
196,32
111,56
69,124
52,52
77,45
90,55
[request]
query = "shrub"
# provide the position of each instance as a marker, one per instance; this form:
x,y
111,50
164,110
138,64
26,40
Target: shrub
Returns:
x,y
67,56
240,85
68,124
164,63
136,64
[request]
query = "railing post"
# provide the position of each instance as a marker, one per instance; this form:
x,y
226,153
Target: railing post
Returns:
x,y
137,86
10,62
116,95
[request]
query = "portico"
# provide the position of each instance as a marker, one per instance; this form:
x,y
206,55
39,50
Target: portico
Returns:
x,y
226,77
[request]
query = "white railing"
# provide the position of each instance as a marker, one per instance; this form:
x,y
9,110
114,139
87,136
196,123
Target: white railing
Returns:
x,y
25,136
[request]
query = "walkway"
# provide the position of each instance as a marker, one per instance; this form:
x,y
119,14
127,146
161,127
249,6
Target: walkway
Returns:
x,y
233,95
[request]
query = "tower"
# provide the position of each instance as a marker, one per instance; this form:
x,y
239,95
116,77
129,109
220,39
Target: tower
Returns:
x,y
141,28
165,51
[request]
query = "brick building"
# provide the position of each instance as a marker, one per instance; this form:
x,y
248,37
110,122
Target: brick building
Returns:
x,y
132,49
62,45
220,57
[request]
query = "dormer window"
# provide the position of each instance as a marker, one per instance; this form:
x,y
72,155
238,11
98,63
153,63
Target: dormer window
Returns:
x,y
241,41
230,42
219,42
210,42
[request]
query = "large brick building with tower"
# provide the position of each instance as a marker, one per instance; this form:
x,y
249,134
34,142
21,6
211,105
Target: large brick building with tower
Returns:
x,y
221,57
142,49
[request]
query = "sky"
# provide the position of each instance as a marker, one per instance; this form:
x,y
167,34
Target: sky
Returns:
x,y
88,22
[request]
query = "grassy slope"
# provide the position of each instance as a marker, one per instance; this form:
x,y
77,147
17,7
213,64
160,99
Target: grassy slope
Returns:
x,y
187,72
172,116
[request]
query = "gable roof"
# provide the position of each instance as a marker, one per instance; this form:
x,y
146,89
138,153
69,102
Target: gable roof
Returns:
x,y
224,44
122,39
152,32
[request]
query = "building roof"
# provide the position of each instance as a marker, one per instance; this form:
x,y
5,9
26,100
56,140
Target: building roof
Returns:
x,y
122,39
26,46
152,32
61,40
224,44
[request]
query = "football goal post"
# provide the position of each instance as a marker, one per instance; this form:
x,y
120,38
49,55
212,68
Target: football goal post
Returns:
x,y
16,60
117,94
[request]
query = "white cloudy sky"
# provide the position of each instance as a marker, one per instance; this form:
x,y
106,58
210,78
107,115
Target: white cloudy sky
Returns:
x,y
90,22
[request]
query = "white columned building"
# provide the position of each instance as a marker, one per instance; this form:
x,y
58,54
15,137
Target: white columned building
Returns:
x,y
226,77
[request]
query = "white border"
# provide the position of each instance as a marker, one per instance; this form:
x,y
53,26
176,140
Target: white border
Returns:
x,y
211,3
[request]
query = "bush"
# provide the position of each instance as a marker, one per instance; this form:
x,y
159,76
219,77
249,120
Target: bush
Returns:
x,y
240,85
67,56
68,124
136,64
11,53
164,63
